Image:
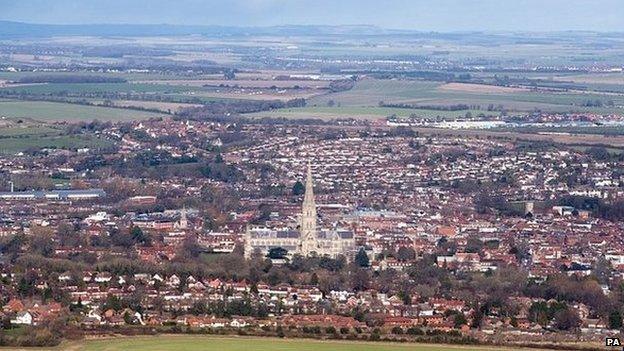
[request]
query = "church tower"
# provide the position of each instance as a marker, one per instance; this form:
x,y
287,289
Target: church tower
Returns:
x,y
309,241
183,221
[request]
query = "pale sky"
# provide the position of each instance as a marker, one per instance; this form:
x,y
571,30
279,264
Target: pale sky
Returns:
x,y
426,15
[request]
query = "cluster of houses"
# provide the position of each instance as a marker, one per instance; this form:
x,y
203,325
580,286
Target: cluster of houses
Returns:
x,y
400,198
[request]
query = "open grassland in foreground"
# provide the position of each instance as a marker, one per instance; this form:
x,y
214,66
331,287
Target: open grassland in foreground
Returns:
x,y
202,343
56,111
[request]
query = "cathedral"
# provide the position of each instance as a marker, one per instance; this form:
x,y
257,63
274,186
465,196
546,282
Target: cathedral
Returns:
x,y
305,241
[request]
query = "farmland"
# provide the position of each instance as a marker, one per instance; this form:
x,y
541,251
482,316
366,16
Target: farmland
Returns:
x,y
29,135
197,343
369,92
365,112
171,92
55,111
15,145
89,88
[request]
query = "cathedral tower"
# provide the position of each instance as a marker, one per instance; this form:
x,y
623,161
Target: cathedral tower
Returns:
x,y
309,241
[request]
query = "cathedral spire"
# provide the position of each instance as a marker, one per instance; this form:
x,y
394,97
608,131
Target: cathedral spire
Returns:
x,y
308,198
309,241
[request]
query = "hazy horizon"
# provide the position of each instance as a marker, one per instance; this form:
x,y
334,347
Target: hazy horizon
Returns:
x,y
441,15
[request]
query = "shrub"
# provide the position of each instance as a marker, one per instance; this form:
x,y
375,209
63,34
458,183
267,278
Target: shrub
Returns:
x,y
415,331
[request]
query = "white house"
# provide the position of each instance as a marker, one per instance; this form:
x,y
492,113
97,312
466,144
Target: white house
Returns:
x,y
24,318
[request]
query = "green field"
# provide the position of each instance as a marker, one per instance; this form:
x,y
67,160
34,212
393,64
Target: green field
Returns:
x,y
28,130
201,343
372,112
86,88
56,111
130,76
369,92
28,135
15,145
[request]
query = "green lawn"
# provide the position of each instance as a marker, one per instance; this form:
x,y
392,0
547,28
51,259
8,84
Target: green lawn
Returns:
x,y
202,343
56,111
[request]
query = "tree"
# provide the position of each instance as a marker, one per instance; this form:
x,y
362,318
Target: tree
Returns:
x,y
397,330
361,258
121,238
277,253
138,236
298,188
42,244
405,254
459,320
599,153
280,331
602,270
474,245
189,249
229,74
615,320
314,280
68,236
540,313
360,280
567,319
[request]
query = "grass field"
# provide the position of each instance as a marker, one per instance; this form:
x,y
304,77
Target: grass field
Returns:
x,y
16,145
368,93
28,130
55,111
58,88
17,137
166,107
202,343
363,112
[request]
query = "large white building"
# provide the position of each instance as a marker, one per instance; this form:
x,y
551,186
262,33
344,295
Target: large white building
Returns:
x,y
305,241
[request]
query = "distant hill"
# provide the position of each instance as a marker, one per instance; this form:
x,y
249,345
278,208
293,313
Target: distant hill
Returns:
x,y
9,29
16,30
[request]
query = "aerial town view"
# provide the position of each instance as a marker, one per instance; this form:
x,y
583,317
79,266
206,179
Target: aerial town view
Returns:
x,y
311,175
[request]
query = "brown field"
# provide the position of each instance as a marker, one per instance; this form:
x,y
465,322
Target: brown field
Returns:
x,y
479,88
220,58
162,106
605,78
259,94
